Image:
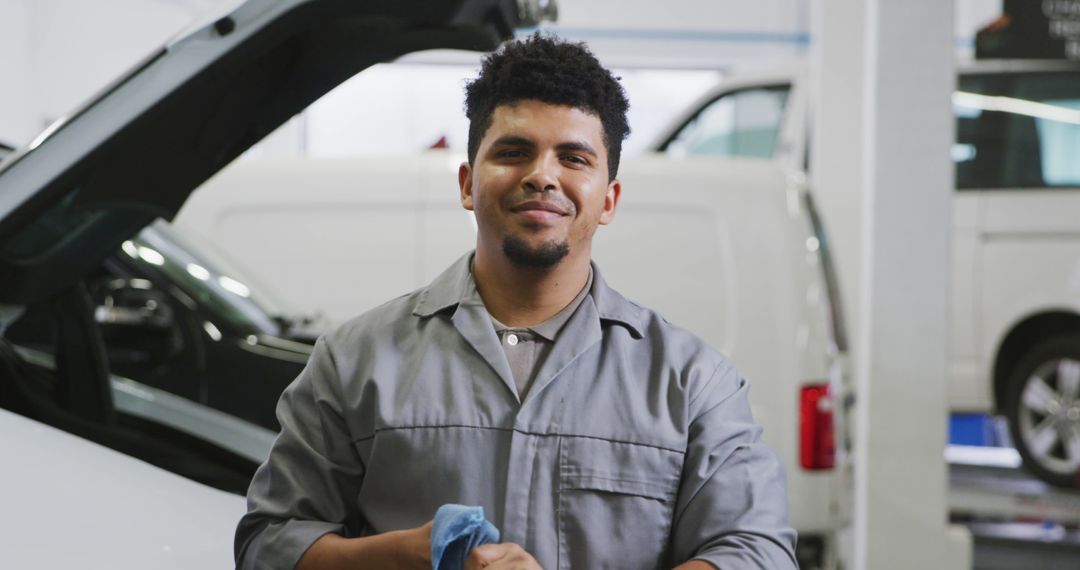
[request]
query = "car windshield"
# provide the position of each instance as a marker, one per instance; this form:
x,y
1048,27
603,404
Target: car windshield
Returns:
x,y
210,278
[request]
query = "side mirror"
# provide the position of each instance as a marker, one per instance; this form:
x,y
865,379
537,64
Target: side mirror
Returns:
x,y
138,324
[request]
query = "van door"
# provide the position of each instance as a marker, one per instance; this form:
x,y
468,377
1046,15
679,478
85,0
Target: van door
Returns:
x,y
1029,251
1022,164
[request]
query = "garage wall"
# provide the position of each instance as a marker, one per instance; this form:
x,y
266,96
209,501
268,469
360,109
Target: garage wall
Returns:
x,y
64,51
687,33
403,109
715,33
16,122
57,53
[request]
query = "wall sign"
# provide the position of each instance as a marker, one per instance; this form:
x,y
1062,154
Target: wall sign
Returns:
x,y
1032,29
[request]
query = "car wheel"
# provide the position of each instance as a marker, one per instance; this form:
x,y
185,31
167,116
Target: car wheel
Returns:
x,y
1043,410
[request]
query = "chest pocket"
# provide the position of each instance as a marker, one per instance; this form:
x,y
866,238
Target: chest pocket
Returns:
x,y
616,502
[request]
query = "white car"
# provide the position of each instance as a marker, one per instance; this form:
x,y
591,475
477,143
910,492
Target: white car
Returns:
x,y
102,495
1015,300
69,503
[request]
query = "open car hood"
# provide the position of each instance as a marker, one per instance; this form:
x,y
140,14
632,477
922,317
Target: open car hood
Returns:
x,y
137,150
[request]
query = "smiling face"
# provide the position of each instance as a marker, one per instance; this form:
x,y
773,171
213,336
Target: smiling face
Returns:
x,y
539,184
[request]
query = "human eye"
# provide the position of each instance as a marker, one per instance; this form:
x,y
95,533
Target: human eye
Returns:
x,y
575,159
510,153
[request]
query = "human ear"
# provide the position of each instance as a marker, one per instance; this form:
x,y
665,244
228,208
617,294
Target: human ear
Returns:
x,y
611,201
465,185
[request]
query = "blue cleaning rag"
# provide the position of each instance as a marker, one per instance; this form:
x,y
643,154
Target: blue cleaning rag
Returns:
x,y
456,531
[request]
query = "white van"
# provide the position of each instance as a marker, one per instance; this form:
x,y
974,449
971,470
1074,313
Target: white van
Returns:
x,y
734,254
1015,300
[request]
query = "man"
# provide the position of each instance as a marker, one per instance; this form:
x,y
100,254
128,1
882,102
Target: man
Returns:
x,y
593,432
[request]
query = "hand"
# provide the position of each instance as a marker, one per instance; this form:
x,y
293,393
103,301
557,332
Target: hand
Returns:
x,y
503,556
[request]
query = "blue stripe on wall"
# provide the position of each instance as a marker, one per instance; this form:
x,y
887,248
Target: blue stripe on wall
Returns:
x,y
677,35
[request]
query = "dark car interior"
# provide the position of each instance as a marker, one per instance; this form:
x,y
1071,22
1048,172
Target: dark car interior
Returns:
x,y
76,397
180,335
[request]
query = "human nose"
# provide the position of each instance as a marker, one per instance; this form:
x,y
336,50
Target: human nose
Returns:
x,y
543,174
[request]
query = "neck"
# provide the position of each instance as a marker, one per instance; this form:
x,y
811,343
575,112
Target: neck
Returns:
x,y
525,296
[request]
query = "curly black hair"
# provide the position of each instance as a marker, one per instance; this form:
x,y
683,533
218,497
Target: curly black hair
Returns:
x,y
553,71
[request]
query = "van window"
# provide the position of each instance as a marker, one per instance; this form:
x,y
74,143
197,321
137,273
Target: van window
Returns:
x,y
739,123
1017,130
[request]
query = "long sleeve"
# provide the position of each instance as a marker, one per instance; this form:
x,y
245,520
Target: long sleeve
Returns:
x,y
732,505
308,485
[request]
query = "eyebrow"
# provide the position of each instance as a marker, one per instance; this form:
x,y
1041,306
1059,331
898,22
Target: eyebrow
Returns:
x,y
514,140
577,146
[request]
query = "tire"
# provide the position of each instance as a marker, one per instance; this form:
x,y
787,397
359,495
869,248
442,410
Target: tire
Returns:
x,y
1043,410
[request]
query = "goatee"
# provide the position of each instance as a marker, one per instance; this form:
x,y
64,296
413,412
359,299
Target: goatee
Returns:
x,y
545,256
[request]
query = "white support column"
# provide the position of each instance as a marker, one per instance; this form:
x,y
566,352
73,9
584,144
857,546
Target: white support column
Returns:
x,y
901,423
837,154
883,175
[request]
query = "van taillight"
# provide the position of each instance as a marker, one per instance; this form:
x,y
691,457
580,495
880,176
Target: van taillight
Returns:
x,y
817,446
